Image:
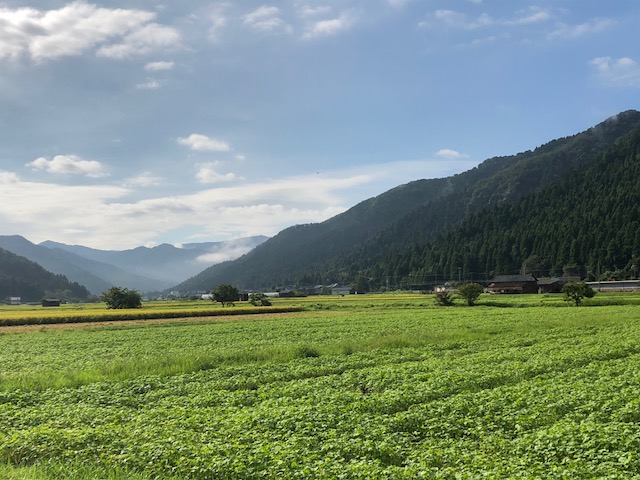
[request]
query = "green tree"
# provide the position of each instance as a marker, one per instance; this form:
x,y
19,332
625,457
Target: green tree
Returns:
x,y
576,291
117,297
259,300
361,284
470,292
225,294
535,265
444,299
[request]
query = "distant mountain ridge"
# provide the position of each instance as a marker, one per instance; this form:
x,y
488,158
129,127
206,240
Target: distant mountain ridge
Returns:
x,y
410,214
23,278
144,269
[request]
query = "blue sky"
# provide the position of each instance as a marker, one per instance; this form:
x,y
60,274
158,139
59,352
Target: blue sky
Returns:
x,y
141,122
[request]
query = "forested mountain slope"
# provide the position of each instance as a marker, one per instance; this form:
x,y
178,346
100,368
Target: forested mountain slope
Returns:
x,y
95,276
410,214
23,278
588,221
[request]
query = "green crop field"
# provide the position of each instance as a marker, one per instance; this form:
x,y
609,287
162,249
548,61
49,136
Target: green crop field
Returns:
x,y
384,386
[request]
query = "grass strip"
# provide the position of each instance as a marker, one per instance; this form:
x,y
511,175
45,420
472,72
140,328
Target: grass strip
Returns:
x,y
147,315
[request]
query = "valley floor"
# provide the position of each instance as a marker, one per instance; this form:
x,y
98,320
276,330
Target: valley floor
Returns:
x,y
375,387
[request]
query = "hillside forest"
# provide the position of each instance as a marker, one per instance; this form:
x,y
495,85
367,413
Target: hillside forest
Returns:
x,y
19,276
569,207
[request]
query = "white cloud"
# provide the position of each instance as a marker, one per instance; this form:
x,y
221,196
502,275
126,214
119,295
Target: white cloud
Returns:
x,y
222,255
149,85
208,174
26,207
307,11
159,66
452,19
588,28
532,15
332,26
106,216
80,27
8,177
266,19
456,20
621,72
69,164
147,39
145,179
450,154
202,143
218,22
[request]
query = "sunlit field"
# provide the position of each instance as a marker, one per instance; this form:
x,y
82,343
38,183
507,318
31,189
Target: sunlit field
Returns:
x,y
361,386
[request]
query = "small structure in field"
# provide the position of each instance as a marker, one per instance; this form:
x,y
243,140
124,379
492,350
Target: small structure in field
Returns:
x,y
615,285
15,300
51,302
341,290
554,284
514,284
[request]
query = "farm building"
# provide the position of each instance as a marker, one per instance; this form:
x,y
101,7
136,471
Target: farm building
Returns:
x,y
615,285
554,284
51,302
338,290
514,284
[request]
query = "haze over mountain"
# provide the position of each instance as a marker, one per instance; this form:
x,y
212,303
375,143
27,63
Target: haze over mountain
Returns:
x,y
144,269
353,242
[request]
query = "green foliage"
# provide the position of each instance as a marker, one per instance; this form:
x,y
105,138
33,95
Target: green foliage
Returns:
x,y
78,317
118,298
577,291
470,292
225,294
444,299
259,300
305,351
505,392
23,278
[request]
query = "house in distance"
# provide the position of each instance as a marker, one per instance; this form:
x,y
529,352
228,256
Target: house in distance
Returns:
x,y
514,284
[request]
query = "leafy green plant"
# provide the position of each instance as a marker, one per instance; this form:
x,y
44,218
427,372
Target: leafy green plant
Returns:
x,y
118,298
577,291
470,292
444,299
259,300
226,294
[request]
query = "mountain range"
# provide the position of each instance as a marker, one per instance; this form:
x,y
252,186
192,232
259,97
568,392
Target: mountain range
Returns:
x,y
144,269
30,282
570,204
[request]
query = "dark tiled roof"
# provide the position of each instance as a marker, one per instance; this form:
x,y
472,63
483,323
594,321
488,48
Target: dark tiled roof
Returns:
x,y
514,278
